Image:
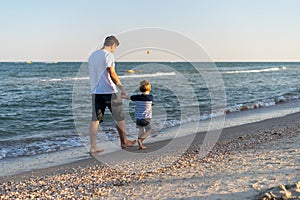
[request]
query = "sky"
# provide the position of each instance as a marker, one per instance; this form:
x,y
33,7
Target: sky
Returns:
x,y
228,30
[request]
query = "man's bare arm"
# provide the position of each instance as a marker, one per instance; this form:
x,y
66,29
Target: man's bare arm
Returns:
x,y
115,78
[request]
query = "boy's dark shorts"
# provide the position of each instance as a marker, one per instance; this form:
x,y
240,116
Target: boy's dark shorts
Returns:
x,y
140,123
112,101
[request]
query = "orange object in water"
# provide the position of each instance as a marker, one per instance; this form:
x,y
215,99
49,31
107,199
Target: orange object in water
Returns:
x,y
148,52
130,71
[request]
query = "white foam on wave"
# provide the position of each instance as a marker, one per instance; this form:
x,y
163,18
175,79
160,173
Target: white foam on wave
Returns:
x,y
122,76
262,103
149,75
64,79
39,146
272,69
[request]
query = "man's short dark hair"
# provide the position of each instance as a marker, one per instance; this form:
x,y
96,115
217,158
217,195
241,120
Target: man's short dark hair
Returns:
x,y
110,41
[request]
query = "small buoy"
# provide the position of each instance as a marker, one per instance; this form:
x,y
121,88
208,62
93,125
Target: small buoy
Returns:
x,y
148,52
130,71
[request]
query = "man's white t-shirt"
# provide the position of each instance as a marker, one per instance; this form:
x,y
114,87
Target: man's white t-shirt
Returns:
x,y
100,80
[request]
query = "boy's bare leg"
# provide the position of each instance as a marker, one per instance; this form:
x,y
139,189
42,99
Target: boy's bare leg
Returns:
x,y
122,133
141,132
141,138
140,142
93,137
147,133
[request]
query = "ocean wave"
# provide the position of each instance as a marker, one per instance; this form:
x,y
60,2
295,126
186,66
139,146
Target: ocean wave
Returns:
x,y
262,103
64,79
121,77
84,78
272,69
36,146
148,75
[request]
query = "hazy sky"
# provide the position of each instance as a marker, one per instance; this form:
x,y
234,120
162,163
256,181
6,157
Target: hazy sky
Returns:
x,y
229,30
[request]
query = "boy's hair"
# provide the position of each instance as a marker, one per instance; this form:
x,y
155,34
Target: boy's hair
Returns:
x,y
145,86
110,41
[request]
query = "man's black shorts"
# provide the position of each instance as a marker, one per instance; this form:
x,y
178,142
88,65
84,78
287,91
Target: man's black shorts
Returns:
x,y
112,101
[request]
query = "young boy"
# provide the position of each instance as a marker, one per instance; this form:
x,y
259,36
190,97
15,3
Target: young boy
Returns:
x,y
143,111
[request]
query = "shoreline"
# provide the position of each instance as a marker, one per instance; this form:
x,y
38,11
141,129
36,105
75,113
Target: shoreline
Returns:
x,y
233,126
80,156
234,141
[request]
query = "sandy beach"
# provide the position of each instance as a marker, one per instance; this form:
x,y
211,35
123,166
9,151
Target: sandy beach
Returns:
x,y
253,161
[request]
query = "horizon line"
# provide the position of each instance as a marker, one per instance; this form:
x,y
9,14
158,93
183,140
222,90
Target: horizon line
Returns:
x,y
174,61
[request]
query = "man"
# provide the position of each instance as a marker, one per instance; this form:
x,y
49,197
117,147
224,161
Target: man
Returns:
x,y
104,82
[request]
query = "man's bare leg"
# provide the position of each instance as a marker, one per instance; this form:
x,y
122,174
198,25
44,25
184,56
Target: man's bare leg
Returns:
x,y
122,133
93,137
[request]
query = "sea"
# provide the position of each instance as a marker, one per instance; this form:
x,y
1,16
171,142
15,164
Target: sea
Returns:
x,y
46,106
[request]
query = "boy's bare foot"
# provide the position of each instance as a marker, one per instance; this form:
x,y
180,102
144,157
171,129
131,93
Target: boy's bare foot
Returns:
x,y
141,146
96,150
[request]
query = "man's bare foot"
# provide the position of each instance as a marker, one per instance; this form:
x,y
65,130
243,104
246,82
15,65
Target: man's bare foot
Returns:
x,y
96,150
142,147
130,143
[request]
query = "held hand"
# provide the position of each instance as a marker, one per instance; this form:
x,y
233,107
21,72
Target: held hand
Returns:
x,y
125,97
123,93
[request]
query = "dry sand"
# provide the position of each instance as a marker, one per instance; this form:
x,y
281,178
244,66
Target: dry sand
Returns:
x,y
254,161
250,167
